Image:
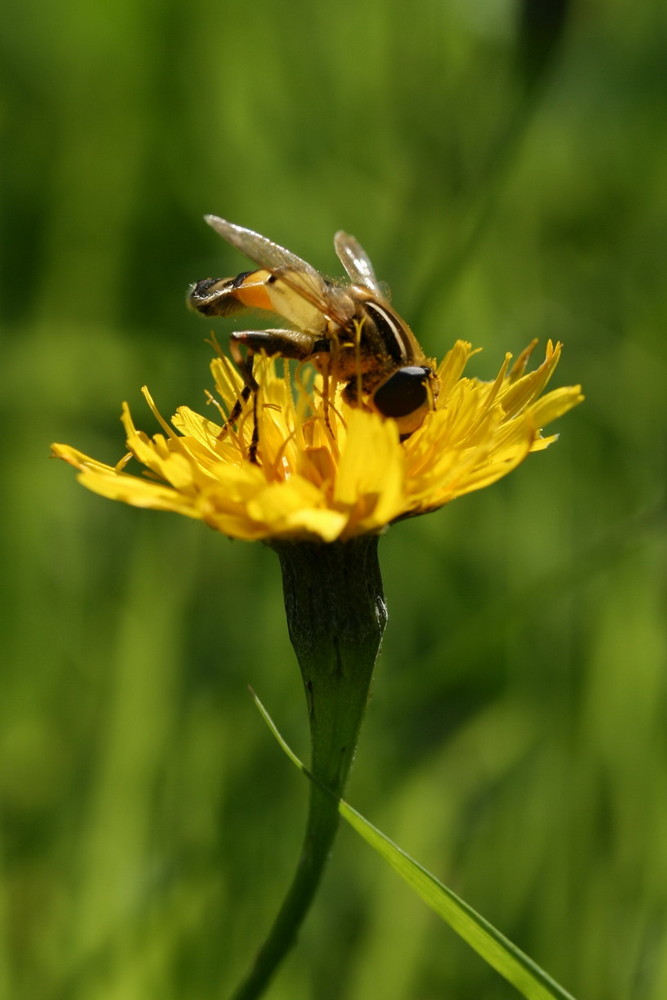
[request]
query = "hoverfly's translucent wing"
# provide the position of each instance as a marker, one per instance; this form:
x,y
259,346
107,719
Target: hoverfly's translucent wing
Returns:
x,y
260,249
355,260
298,274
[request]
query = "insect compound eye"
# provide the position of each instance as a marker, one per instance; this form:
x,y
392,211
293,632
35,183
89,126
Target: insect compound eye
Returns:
x,y
404,392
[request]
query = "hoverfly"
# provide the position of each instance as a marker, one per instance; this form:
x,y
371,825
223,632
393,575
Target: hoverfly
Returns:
x,y
349,332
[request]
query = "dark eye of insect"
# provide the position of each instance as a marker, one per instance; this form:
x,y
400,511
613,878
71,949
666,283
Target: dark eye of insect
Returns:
x,y
403,393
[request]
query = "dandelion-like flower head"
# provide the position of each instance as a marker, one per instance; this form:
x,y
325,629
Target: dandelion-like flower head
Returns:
x,y
325,470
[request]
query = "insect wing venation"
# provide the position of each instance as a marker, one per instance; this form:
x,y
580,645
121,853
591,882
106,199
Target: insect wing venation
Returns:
x,y
295,272
357,263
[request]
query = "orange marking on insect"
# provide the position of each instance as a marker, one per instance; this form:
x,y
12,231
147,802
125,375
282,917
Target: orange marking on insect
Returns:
x,y
253,293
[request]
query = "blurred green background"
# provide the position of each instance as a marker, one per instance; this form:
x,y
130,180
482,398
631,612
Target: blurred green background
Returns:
x,y
505,167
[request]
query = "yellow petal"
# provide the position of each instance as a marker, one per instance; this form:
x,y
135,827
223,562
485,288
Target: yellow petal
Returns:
x,y
324,469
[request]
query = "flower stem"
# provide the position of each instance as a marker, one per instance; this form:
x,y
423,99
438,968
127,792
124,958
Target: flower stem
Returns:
x,y
336,616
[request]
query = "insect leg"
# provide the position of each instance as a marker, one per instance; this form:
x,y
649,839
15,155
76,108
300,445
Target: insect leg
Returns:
x,y
291,344
244,364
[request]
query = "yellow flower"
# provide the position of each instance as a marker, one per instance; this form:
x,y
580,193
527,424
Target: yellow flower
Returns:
x,y
325,470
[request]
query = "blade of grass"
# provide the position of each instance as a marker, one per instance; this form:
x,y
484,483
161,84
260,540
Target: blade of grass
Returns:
x,y
497,950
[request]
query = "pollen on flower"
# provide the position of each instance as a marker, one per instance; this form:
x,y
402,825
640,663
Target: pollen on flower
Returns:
x,y
324,469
